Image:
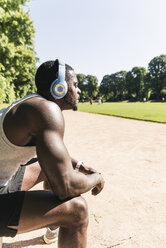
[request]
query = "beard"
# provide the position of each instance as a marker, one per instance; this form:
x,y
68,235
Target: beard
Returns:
x,y
71,101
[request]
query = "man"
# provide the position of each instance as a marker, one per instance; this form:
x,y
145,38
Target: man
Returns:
x,y
35,125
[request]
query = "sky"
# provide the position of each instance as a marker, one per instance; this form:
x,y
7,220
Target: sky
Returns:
x,y
99,37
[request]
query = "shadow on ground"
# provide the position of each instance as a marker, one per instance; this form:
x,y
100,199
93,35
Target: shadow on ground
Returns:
x,y
25,243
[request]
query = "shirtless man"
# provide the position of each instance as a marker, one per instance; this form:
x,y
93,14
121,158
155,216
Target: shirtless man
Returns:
x,y
35,126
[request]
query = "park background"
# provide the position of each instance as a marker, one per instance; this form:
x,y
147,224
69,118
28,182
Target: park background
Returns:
x,y
118,49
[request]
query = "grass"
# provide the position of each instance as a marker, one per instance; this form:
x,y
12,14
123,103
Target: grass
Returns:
x,y
149,111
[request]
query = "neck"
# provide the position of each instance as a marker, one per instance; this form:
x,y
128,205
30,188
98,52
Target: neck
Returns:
x,y
60,102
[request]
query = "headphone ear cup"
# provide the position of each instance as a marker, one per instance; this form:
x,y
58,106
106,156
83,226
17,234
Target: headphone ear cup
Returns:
x,y
59,86
58,89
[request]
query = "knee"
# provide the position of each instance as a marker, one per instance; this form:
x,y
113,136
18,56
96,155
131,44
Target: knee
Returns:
x,y
79,210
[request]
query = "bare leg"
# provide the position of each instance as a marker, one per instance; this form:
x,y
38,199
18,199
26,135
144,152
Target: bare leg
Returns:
x,y
34,175
43,209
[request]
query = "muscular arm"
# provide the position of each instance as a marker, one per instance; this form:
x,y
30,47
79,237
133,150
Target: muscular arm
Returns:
x,y
74,162
83,168
56,162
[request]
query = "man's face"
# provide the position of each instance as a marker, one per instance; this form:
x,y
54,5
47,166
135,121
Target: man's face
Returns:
x,y
72,97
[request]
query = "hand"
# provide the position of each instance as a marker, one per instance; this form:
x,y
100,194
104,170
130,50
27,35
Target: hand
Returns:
x,y
98,188
86,170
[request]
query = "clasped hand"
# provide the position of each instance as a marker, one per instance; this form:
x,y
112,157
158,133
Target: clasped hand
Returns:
x,y
88,170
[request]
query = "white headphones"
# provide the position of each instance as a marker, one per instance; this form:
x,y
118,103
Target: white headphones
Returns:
x,y
59,86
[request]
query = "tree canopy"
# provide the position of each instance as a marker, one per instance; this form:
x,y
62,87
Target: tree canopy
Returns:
x,y
157,75
17,56
88,85
137,84
18,65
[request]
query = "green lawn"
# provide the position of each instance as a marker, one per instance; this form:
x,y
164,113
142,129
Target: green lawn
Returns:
x,y
149,111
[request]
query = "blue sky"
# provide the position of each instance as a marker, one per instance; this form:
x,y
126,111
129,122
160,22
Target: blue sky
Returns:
x,y
99,37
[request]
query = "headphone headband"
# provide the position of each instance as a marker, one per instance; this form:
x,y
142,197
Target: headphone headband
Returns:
x,y
61,70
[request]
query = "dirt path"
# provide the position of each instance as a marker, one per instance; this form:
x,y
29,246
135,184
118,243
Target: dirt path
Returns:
x,y
131,210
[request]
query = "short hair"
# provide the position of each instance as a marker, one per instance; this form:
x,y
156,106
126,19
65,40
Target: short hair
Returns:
x,y
47,73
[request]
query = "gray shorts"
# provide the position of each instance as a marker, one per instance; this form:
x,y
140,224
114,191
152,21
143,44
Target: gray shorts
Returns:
x,y
11,202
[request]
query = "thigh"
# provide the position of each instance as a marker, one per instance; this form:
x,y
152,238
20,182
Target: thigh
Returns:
x,y
33,175
43,209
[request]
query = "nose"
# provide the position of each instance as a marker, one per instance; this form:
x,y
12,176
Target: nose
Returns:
x,y
79,91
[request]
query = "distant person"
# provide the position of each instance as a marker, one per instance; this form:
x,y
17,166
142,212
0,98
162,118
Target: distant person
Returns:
x,y
32,150
91,101
99,101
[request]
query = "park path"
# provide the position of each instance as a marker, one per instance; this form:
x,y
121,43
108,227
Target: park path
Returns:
x,y
131,210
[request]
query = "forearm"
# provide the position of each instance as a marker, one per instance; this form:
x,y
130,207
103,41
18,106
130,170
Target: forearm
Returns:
x,y
58,168
80,183
74,162
75,185
72,183
82,167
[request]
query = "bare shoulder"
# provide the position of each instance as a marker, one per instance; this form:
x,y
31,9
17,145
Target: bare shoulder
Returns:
x,y
43,114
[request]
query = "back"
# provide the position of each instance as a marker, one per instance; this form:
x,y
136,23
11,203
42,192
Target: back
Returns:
x,y
12,156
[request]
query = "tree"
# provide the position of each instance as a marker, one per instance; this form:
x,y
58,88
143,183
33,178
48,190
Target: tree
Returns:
x,y
119,79
135,83
92,85
157,75
82,85
112,86
7,93
104,88
17,56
